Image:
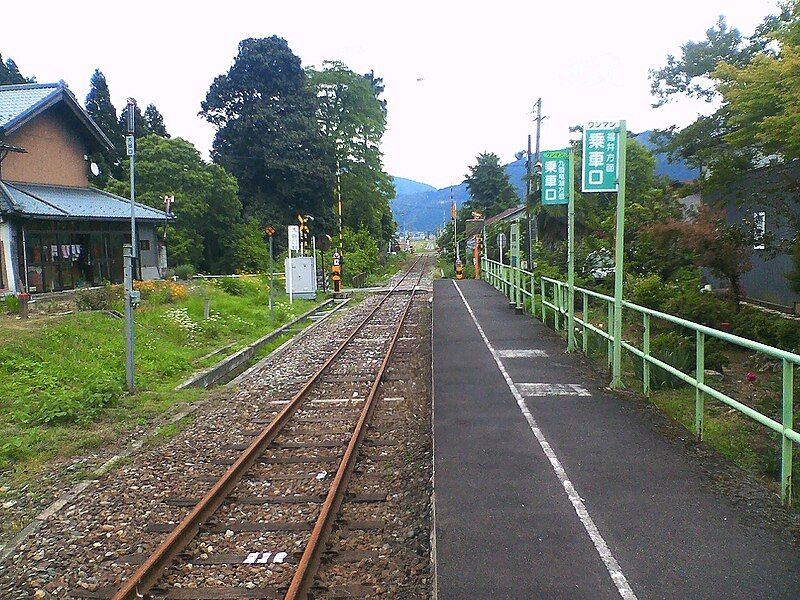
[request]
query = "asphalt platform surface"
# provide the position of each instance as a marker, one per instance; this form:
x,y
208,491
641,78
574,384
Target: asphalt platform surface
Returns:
x,y
626,516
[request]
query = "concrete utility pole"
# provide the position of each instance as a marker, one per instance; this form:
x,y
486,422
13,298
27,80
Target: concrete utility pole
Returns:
x,y
127,257
528,201
129,251
130,144
537,165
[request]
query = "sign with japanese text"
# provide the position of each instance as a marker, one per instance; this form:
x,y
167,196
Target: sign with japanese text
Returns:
x,y
294,237
600,168
555,177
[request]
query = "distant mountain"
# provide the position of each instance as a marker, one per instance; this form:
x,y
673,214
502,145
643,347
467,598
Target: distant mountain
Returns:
x,y
425,208
677,170
405,186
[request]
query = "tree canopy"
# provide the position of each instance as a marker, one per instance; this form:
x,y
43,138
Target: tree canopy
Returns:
x,y
102,111
9,73
748,76
352,117
268,136
207,207
155,121
489,188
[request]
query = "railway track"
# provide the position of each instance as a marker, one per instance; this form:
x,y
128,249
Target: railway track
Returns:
x,y
263,528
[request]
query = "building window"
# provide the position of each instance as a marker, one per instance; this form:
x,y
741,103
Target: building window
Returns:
x,y
760,228
144,245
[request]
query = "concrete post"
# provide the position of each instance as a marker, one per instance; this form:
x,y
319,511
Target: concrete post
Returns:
x,y
127,254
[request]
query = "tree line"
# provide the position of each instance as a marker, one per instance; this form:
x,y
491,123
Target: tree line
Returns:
x,y
289,140
752,136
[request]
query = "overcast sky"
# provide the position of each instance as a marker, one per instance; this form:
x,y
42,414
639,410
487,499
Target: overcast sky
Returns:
x,y
461,77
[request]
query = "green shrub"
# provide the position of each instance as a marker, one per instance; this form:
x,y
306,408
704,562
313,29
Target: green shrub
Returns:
x,y
238,286
767,328
102,298
649,291
701,307
360,255
81,407
185,271
11,304
675,350
680,351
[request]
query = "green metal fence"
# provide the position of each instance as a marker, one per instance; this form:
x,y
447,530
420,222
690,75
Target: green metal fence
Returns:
x,y
555,303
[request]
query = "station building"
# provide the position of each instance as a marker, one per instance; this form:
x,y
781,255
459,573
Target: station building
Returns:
x,y
56,231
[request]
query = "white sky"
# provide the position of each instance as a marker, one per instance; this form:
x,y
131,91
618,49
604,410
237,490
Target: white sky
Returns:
x,y
481,64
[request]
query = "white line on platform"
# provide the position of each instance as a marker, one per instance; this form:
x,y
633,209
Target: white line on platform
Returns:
x,y
538,390
514,353
612,566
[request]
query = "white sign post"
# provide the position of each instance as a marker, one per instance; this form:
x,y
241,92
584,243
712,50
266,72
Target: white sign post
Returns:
x,y
294,244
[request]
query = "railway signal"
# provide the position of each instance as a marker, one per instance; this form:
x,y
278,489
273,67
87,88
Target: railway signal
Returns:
x,y
336,271
459,270
304,230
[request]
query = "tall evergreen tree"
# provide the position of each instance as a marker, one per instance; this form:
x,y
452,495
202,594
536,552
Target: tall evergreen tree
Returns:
x,y
489,188
267,135
155,121
9,73
139,123
102,111
353,118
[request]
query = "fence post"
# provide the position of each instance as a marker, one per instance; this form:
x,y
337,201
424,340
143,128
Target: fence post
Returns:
x,y
533,296
646,352
544,318
585,322
557,304
788,423
699,375
610,332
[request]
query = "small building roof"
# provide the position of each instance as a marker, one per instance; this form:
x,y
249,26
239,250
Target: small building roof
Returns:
x,y
21,103
508,214
38,201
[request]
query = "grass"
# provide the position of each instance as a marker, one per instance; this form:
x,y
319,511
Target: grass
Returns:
x,y
744,442
392,265
62,378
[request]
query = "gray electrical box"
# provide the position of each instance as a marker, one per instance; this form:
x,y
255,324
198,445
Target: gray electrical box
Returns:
x,y
303,278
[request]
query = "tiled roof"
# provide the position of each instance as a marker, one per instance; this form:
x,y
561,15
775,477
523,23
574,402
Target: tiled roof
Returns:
x,y
18,100
20,103
509,212
59,202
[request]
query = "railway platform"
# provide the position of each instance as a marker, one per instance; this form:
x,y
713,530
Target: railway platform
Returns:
x,y
547,485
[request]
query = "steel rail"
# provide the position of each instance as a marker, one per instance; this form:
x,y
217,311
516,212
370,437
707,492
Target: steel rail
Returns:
x,y
151,570
307,567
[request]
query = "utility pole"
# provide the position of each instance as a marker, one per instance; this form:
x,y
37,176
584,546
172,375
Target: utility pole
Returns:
x,y
129,253
130,144
528,201
454,214
538,106
127,257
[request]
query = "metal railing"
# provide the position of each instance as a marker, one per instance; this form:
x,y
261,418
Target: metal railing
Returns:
x,y
554,298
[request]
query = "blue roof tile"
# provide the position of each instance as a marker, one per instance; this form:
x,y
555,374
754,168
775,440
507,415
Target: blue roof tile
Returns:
x,y
60,202
18,100
20,103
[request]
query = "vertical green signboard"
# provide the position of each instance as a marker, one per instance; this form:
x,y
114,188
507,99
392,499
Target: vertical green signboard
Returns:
x,y
600,165
556,167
